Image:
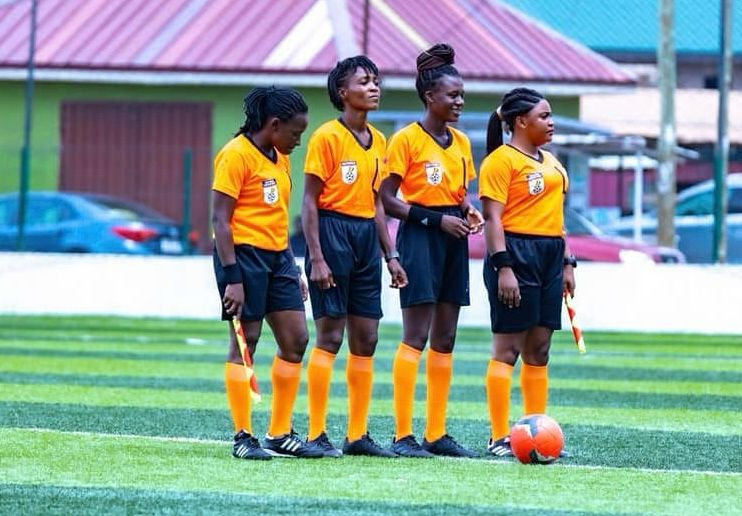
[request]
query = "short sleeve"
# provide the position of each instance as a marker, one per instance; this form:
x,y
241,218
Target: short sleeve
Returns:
x,y
495,175
381,170
398,155
230,172
471,170
320,161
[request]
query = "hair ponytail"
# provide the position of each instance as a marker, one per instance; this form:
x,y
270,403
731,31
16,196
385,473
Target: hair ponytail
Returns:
x,y
494,132
515,103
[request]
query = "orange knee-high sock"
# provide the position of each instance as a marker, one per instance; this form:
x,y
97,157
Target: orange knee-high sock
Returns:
x,y
319,374
498,397
438,371
534,384
285,378
360,376
404,374
238,396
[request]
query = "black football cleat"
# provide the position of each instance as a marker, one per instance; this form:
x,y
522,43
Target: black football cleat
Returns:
x,y
446,446
408,447
366,446
246,446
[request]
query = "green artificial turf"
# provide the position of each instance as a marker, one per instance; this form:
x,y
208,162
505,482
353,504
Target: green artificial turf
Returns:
x,y
128,416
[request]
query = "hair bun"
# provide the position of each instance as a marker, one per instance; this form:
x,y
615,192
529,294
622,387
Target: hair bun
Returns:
x,y
440,54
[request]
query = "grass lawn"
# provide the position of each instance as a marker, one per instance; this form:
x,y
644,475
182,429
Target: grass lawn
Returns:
x,y
128,416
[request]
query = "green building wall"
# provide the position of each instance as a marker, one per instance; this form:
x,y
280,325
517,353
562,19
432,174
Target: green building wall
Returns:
x,y
226,110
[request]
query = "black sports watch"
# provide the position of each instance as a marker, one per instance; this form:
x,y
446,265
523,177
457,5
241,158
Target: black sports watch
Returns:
x,y
570,260
394,255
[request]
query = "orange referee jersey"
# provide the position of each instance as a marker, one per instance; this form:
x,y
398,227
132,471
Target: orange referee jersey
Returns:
x,y
350,171
531,190
262,188
432,174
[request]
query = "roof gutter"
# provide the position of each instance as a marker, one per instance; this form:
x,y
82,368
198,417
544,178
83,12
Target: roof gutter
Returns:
x,y
196,78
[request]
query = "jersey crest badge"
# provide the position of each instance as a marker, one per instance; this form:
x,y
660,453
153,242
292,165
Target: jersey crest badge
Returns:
x,y
349,172
270,191
536,183
434,173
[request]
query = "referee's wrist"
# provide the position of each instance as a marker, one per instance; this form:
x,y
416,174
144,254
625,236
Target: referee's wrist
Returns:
x,y
570,260
501,260
392,255
232,273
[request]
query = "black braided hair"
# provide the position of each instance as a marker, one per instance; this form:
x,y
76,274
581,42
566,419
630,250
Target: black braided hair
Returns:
x,y
432,64
515,103
264,102
338,76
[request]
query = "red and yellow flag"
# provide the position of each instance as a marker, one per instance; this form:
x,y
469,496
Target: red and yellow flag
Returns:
x,y
576,331
246,360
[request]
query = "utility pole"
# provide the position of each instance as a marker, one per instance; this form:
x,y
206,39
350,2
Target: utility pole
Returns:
x,y
667,138
366,16
26,149
721,154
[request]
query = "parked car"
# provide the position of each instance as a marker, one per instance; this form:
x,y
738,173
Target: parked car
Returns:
x,y
62,222
694,222
587,242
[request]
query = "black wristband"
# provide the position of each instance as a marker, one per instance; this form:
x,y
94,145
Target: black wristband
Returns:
x,y
232,273
501,259
424,217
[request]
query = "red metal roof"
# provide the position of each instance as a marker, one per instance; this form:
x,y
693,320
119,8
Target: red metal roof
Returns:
x,y
492,41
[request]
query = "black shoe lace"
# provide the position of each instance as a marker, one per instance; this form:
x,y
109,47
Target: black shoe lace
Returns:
x,y
411,442
371,442
324,441
451,441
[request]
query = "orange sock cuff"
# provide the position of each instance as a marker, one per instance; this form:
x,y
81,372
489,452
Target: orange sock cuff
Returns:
x,y
438,359
360,363
499,369
286,369
408,353
533,371
321,357
235,372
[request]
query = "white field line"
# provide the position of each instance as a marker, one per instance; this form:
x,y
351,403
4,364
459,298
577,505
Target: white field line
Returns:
x,y
214,441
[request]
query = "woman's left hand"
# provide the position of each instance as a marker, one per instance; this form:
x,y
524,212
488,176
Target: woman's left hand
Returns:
x,y
398,274
568,280
303,288
475,220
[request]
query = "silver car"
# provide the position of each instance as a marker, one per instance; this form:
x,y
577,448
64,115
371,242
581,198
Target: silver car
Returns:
x,y
694,222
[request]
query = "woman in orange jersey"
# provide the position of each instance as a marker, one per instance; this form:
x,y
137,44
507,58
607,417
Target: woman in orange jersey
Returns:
x,y
529,266
344,224
431,163
255,270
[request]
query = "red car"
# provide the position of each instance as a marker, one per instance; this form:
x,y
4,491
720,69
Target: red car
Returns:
x,y
588,243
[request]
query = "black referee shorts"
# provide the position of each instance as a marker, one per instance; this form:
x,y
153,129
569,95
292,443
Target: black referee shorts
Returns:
x,y
436,263
351,249
270,280
538,267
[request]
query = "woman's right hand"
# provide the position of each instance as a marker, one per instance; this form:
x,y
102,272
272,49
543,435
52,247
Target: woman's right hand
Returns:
x,y
508,291
234,298
321,274
455,226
